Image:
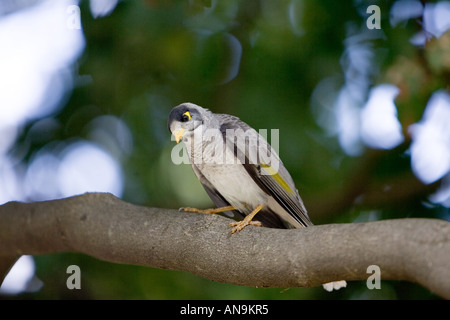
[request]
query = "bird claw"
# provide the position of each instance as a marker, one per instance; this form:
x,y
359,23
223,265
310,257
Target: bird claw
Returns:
x,y
208,211
239,225
187,209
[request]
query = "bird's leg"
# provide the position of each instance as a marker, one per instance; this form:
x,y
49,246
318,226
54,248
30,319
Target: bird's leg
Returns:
x,y
209,211
239,225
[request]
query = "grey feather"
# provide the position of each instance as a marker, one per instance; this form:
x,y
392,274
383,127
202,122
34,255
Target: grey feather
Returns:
x,y
215,196
246,183
257,144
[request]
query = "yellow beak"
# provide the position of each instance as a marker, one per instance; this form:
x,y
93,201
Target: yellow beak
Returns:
x,y
178,134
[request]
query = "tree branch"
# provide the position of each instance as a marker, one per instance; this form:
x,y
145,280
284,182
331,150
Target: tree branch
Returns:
x,y
107,228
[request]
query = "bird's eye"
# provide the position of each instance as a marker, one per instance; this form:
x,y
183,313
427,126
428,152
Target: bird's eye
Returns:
x,y
186,116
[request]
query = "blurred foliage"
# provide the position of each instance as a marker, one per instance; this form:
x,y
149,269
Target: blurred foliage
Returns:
x,y
261,61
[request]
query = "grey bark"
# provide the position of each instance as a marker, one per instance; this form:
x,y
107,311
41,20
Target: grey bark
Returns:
x,y
103,226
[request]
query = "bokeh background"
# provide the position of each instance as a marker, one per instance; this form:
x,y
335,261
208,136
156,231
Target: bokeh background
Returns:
x,y
361,102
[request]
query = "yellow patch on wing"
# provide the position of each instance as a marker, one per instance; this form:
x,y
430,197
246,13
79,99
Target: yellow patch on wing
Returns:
x,y
274,173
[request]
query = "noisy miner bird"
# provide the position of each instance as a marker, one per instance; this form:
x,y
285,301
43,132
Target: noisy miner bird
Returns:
x,y
239,170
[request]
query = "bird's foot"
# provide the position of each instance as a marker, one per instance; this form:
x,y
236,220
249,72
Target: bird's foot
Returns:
x,y
239,225
208,211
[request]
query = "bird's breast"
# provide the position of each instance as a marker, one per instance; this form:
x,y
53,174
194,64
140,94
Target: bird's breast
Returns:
x,y
234,183
226,173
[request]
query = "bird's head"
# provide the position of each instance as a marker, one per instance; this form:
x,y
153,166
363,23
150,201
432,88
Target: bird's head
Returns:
x,y
184,119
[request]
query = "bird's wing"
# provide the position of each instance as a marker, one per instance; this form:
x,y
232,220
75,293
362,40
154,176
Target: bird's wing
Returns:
x,y
267,217
264,166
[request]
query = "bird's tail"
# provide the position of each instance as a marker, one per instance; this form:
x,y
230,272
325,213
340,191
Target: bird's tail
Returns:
x,y
336,285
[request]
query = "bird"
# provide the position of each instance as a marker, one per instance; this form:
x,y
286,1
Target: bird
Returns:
x,y
239,170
